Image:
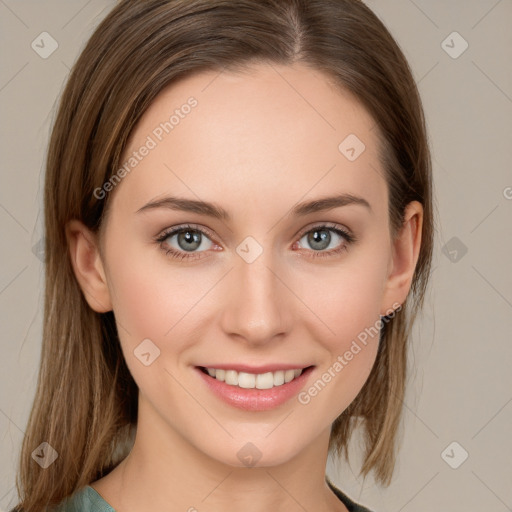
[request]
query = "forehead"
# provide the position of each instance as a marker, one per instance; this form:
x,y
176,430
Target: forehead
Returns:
x,y
265,131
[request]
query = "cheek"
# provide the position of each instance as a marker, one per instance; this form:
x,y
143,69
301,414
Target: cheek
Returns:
x,y
348,297
155,299
149,299
349,303
155,302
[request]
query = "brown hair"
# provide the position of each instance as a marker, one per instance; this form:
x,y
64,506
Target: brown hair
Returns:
x,y
86,399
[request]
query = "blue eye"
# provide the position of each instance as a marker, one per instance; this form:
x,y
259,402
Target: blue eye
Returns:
x,y
191,240
320,238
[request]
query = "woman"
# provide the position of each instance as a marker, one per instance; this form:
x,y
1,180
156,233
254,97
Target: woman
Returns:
x,y
238,238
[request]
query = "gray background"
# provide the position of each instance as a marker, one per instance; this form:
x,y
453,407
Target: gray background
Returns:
x,y
460,385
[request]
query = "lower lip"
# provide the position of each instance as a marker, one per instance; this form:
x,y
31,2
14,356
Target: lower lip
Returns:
x,y
255,399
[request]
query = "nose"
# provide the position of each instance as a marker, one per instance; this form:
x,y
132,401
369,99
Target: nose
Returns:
x,y
257,303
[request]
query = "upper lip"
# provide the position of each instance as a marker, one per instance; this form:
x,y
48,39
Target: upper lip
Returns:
x,y
256,369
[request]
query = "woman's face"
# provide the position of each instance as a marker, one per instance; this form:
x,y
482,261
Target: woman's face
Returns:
x,y
259,280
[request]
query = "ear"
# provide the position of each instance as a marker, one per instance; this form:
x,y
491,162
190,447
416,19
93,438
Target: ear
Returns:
x,y
88,266
405,252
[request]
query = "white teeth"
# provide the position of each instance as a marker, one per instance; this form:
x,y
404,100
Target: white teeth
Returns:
x,y
265,380
289,375
246,380
231,378
279,377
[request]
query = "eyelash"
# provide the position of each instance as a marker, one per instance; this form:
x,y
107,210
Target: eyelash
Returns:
x,y
349,239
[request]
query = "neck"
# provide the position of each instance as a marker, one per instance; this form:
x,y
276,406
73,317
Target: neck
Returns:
x,y
164,471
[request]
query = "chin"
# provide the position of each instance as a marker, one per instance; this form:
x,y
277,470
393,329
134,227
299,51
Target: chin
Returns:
x,y
257,451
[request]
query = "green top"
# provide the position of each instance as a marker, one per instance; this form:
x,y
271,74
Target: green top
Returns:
x,y
84,500
88,500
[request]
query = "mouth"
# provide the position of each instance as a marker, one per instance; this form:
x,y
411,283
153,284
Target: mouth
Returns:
x,y
254,380
255,389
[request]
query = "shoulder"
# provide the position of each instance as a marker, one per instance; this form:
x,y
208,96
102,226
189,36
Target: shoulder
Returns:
x,y
351,505
84,500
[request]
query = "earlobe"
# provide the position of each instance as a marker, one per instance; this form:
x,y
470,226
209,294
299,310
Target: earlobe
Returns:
x,y
88,266
405,252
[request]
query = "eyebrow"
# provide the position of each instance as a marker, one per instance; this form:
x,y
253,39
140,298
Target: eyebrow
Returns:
x,y
217,212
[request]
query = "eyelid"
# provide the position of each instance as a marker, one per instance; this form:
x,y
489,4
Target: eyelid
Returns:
x,y
166,233
341,230
328,225
169,231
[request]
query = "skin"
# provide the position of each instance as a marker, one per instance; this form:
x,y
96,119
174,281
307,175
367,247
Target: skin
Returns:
x,y
255,146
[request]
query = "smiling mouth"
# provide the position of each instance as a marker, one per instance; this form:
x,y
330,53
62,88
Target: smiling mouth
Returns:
x,y
267,380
